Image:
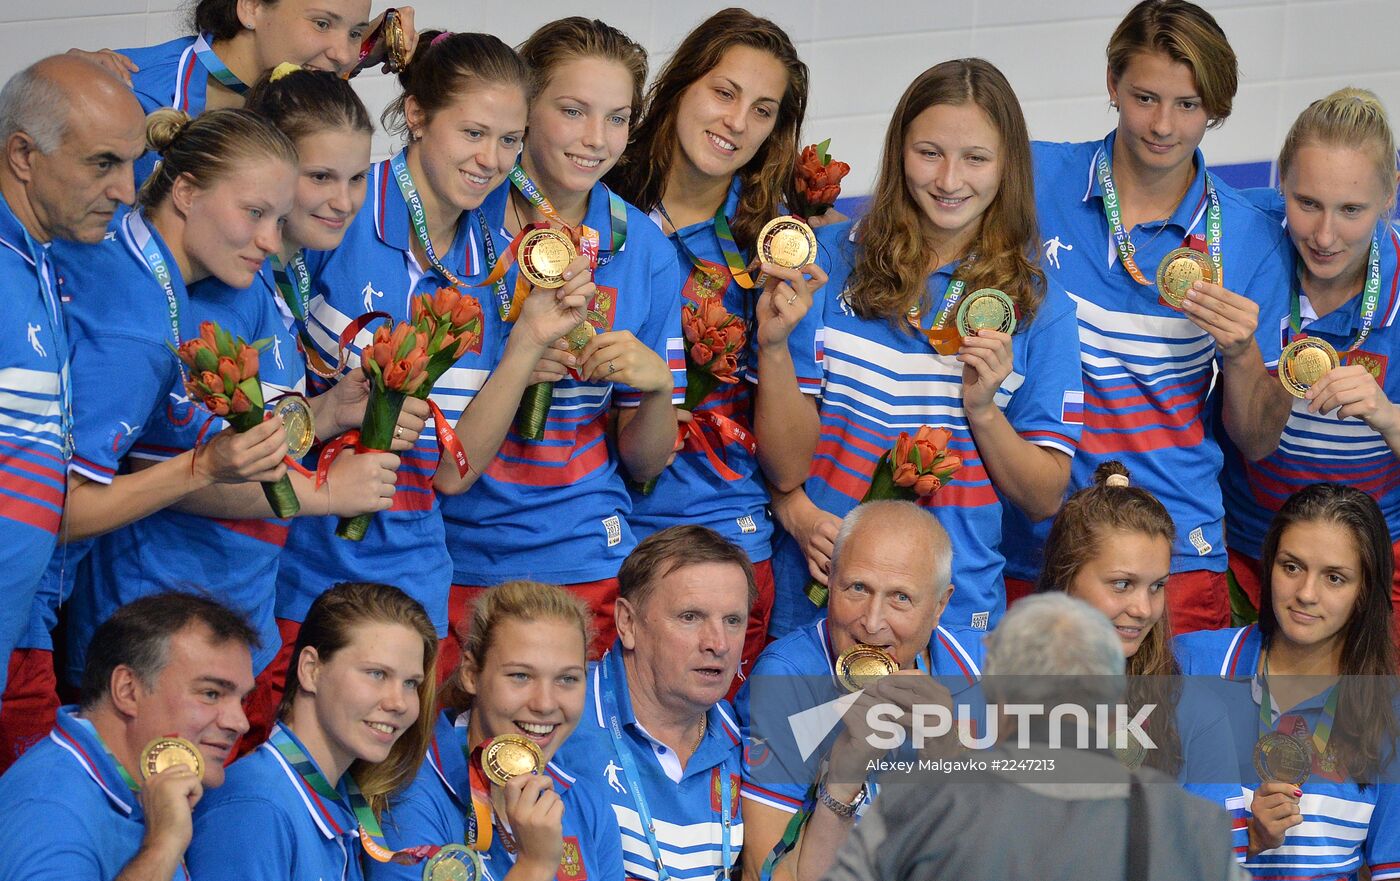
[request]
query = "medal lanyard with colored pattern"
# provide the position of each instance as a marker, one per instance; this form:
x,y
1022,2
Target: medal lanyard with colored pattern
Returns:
x,y
737,266
1113,212
293,284
418,217
586,236
1322,731
951,295
700,265
634,783
134,787
478,810
216,67
1370,296
155,261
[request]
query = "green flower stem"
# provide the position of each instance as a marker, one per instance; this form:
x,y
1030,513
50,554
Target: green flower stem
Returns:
x,y
377,433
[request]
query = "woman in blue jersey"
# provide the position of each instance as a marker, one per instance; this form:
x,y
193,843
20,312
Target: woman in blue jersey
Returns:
x,y
1337,179
1111,546
1111,212
463,112
1315,680
352,728
523,674
553,507
711,161
954,185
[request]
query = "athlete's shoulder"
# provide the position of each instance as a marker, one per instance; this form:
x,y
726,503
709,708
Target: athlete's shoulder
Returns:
x,y
1053,159
155,80
1201,652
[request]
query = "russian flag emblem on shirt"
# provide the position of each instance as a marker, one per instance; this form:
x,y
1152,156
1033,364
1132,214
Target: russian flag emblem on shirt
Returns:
x,y
1072,408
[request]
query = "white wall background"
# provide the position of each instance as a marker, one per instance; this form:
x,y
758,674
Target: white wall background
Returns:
x,y
862,53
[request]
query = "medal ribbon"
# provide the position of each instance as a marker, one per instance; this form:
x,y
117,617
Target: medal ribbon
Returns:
x,y
700,265
1370,296
738,269
695,435
293,283
1113,212
418,217
944,342
1322,731
481,827
216,67
617,217
150,251
634,783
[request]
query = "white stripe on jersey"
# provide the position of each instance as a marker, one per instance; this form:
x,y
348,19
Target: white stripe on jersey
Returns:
x,y
1353,439
33,382
699,841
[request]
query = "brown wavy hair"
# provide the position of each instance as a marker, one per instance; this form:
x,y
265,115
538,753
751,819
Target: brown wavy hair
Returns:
x,y
328,628
893,261
1087,520
1366,731
767,180
1188,35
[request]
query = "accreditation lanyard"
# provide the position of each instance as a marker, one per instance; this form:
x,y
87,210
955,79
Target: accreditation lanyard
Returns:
x,y
370,834
58,331
1113,212
700,265
216,67
418,217
634,783
586,237
145,241
951,295
477,807
1370,296
1322,731
293,283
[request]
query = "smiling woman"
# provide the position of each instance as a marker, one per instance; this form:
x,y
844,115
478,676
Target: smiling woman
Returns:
x,y
354,728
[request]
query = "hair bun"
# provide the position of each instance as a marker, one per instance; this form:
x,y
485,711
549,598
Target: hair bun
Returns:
x,y
1117,480
163,126
1112,473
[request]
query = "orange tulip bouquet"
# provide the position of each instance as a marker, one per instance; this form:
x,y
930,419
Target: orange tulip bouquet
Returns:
x,y
817,179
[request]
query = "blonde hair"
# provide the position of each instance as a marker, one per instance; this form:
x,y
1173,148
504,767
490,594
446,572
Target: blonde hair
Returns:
x,y
1188,35
525,601
218,145
328,628
1348,117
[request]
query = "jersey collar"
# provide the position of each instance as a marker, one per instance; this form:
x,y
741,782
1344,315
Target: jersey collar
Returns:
x,y
13,235
1242,656
1347,319
392,225
333,820
1190,212
79,739
447,757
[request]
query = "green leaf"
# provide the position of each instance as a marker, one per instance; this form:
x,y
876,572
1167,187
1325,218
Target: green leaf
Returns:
x,y
263,344
206,360
821,152
406,346
253,389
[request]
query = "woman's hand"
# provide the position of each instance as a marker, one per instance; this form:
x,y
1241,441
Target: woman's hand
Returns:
x,y
120,66
536,817
813,529
1354,389
547,315
786,297
1275,810
618,356
986,361
360,483
1228,317
252,456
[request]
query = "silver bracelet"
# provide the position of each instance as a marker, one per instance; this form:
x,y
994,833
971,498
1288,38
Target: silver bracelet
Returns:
x,y
839,808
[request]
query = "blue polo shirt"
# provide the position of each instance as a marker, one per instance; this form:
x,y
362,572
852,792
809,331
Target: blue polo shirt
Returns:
x,y
876,380
690,490
1319,447
433,810
122,322
556,509
1147,368
374,270
69,812
798,673
235,560
266,823
684,803
171,75
34,376
1344,825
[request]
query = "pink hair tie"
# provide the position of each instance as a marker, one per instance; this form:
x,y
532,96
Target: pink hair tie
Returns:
x,y
440,37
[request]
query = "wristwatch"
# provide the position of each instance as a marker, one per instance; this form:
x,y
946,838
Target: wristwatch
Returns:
x,y
839,808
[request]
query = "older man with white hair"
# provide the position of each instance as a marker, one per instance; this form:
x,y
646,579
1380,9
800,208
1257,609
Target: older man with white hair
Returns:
x,y
1037,811
890,581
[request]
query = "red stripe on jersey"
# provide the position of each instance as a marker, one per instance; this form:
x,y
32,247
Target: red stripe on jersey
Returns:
x,y
588,454
1033,436
38,516
1111,441
1270,484
59,466
30,489
1239,650
267,532
1170,412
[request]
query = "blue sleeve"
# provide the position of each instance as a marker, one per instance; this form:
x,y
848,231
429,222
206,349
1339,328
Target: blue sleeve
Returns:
x,y
774,770
57,844
415,817
1047,410
107,419
241,838
602,834
1210,764
661,330
1382,848
1269,287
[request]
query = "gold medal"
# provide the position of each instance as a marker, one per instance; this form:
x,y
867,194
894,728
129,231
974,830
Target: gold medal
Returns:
x,y
986,309
395,42
860,665
1282,757
167,752
1179,270
1305,361
544,255
454,862
578,337
507,756
298,423
787,242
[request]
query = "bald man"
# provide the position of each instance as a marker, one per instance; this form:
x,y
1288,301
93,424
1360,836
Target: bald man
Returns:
x,y
70,132
890,582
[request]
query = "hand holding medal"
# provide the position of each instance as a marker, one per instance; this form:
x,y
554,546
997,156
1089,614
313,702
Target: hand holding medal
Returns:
x,y
985,320
391,42
1230,319
787,253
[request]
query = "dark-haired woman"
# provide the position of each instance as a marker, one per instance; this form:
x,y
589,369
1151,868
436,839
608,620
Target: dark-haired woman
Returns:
x,y
1111,212
1314,700
711,162
952,214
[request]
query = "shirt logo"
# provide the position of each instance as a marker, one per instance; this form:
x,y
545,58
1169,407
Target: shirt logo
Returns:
x,y
117,436
1072,408
613,527
571,863
746,524
611,770
980,620
34,340
717,792
1374,364
277,352
844,302
369,293
179,410
1198,541
705,281
1052,250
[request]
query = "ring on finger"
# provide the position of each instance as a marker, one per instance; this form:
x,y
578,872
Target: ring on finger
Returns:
x,y
398,431
792,299
612,368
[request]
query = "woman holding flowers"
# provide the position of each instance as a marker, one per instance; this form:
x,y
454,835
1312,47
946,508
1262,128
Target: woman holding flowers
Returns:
x,y
554,506
523,674
352,728
712,160
412,255
952,215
